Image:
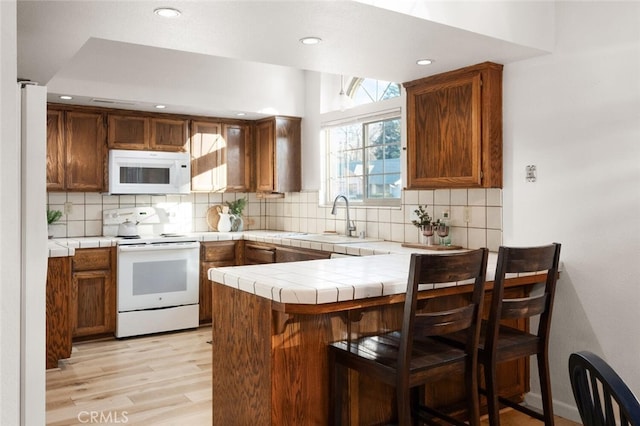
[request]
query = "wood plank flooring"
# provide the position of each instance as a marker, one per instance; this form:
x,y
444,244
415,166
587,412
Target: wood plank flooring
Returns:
x,y
152,380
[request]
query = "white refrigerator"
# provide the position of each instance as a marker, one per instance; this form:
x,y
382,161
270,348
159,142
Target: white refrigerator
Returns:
x,y
33,252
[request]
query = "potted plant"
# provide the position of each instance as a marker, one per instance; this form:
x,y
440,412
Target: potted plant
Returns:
x,y
235,209
424,223
52,217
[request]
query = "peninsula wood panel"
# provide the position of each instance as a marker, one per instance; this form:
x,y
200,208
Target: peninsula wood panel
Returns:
x,y
58,328
241,361
293,348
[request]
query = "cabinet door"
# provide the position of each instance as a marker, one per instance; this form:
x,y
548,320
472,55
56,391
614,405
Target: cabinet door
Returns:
x,y
206,144
168,134
85,151
213,255
444,143
128,132
235,158
288,176
265,150
454,129
256,254
55,150
92,303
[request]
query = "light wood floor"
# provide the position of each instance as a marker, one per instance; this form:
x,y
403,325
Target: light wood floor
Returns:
x,y
152,380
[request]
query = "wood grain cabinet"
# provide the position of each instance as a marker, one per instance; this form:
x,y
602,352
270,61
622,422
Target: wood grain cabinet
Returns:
x,y
278,155
58,327
93,292
454,129
214,254
76,151
296,254
220,156
140,132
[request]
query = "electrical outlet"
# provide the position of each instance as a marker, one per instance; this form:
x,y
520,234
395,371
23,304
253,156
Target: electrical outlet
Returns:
x,y
446,215
68,208
466,214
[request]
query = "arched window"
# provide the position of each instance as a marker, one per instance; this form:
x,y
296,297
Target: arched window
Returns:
x,y
368,90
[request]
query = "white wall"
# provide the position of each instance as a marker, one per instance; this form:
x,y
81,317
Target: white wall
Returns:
x,y
9,221
575,114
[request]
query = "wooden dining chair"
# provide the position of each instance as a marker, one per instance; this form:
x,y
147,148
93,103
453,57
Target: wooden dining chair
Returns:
x,y
500,343
409,358
602,397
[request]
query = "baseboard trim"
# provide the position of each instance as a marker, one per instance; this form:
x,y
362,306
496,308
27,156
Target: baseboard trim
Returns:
x,y
561,409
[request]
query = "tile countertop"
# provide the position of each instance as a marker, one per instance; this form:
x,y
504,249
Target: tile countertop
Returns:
x,y
328,280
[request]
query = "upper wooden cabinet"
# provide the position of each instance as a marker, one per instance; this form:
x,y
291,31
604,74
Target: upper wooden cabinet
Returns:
x,y
220,158
76,150
278,155
140,132
454,126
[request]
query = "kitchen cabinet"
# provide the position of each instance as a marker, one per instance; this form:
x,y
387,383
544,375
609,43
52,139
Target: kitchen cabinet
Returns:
x,y
215,254
141,132
220,156
258,253
454,129
278,155
296,254
93,292
55,150
76,152
58,328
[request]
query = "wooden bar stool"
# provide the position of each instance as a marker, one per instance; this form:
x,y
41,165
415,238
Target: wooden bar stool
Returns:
x,y
500,343
409,358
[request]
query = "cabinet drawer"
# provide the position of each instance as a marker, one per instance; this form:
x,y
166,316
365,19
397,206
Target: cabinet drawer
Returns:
x,y
286,254
219,251
92,259
255,254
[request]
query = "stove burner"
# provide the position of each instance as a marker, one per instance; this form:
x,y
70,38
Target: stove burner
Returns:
x,y
129,237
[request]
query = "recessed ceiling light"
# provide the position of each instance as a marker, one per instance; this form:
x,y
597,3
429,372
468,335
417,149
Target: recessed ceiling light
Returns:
x,y
241,114
424,61
167,12
161,106
66,97
310,40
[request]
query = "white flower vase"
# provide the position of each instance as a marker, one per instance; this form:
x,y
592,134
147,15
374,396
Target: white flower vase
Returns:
x,y
224,224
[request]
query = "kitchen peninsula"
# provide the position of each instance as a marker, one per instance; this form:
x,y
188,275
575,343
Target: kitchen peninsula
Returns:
x,y
272,322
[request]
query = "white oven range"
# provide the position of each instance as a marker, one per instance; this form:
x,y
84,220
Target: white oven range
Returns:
x,y
157,274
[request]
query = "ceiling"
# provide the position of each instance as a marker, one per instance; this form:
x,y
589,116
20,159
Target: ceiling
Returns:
x,y
121,52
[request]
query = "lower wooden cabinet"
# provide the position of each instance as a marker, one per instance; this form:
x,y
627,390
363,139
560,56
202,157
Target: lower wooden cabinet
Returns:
x,y
58,329
296,254
215,254
93,292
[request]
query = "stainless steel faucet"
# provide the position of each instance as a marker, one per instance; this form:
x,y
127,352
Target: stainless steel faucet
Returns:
x,y
350,226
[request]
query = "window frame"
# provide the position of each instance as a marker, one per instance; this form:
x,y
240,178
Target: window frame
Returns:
x,y
363,120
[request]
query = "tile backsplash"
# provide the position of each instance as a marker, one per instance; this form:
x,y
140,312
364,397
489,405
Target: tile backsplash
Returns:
x,y
475,214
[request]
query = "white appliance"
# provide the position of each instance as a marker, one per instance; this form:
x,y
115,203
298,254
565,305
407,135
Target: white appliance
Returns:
x,y
149,172
158,276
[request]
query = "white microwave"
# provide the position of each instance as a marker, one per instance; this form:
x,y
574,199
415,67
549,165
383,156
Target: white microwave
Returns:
x,y
149,172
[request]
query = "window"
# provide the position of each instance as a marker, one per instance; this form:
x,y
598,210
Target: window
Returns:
x,y
367,90
363,160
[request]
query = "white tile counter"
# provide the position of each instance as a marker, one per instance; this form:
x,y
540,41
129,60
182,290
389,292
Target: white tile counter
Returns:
x,y
327,280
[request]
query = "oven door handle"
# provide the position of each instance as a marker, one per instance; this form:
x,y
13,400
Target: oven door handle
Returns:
x,y
160,246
